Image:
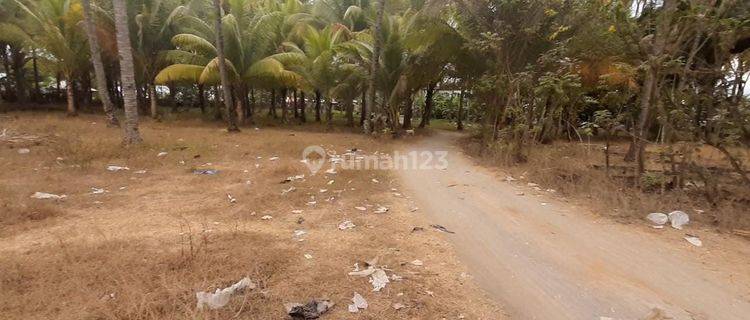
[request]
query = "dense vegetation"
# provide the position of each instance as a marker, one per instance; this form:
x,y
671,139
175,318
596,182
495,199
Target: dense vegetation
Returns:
x,y
526,71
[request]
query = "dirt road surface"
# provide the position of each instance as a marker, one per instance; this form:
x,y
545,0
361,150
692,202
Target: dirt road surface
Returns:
x,y
542,258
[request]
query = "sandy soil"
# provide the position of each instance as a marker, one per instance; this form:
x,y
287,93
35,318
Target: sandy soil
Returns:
x,y
143,248
542,257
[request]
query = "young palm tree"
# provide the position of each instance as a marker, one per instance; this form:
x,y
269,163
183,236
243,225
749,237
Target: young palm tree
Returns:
x,y
96,57
127,73
53,27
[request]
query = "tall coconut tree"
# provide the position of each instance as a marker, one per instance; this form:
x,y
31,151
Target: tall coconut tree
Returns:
x,y
96,59
222,65
374,61
127,73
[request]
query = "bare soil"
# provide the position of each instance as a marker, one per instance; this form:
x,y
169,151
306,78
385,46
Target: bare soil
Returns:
x,y
142,249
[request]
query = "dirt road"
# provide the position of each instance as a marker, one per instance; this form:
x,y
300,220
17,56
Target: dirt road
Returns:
x,y
544,259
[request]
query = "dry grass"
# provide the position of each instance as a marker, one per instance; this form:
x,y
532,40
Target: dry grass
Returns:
x,y
142,249
568,168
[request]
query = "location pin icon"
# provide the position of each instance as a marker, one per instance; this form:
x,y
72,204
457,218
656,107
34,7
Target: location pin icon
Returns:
x,y
314,157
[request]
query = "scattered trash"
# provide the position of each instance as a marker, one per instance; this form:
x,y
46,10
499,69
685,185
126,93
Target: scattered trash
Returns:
x,y
161,154
415,229
297,211
283,192
44,195
323,190
509,179
206,171
398,306
221,297
359,302
308,256
114,168
544,203
346,225
678,219
381,209
361,208
300,220
375,180
441,228
417,263
140,172
739,232
266,217
312,310
231,199
531,184
23,151
657,218
97,190
330,182
273,158
298,235
378,277
410,132
292,178
414,209
694,240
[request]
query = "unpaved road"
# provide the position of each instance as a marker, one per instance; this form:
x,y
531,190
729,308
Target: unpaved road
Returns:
x,y
555,262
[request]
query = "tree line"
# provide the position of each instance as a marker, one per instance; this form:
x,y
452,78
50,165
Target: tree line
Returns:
x,y
530,71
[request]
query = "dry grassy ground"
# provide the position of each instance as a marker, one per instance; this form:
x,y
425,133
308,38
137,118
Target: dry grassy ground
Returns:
x,y
143,248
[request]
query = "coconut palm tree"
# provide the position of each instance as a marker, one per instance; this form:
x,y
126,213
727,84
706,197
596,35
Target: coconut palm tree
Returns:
x,y
96,59
127,73
52,26
222,65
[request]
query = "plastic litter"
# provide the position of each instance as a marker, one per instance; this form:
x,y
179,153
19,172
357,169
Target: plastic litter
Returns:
x,y
115,168
694,240
346,225
678,219
23,151
441,228
417,262
209,172
657,218
312,310
266,217
161,154
97,190
231,199
381,209
221,297
398,306
378,277
359,302
45,195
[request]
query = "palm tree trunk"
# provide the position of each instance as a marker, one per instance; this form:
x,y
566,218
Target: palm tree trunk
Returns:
x,y
363,109
283,105
37,90
70,97
201,99
231,115
317,106
349,112
302,107
272,108
427,111
408,112
375,60
459,121
295,103
153,101
19,73
329,112
127,74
